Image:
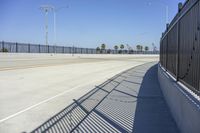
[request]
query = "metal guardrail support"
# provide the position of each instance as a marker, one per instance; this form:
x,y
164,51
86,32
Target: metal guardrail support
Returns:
x,y
47,48
29,49
16,47
2,45
39,48
178,52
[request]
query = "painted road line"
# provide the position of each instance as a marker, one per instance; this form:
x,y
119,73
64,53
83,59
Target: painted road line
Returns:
x,y
45,101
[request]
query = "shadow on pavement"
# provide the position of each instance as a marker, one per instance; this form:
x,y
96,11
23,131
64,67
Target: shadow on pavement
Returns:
x,y
129,102
152,114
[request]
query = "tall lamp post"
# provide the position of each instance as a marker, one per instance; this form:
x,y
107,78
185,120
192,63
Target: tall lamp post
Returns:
x,y
46,9
166,9
55,10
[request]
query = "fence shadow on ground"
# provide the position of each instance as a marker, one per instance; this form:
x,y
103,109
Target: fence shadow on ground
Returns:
x,y
129,102
152,114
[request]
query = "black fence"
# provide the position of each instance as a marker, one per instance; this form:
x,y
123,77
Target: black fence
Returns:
x,y
180,46
37,48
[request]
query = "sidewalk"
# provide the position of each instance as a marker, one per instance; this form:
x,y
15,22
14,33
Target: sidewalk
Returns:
x,y
131,101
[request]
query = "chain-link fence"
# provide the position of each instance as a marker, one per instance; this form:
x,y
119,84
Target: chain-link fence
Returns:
x,y
180,46
37,48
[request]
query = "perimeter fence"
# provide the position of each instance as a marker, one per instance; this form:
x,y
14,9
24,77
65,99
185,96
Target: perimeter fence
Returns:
x,y
37,48
180,45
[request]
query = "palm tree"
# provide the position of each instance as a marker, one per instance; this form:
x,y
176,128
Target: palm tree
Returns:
x,y
138,47
98,49
116,48
103,47
146,48
121,47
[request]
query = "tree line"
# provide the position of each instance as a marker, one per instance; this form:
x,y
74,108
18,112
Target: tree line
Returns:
x,y
121,48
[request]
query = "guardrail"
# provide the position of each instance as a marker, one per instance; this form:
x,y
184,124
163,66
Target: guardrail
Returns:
x,y
37,48
180,46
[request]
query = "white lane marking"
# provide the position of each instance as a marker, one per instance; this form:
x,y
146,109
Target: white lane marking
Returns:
x,y
44,101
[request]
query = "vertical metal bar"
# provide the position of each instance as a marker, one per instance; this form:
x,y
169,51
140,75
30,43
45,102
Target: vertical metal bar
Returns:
x,y
73,51
48,49
198,34
10,48
167,52
178,44
16,47
29,49
178,51
39,48
2,46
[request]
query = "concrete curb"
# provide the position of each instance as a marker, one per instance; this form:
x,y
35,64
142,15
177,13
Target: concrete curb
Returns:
x,y
183,106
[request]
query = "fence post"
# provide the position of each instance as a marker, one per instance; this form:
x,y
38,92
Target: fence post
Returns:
x,y
180,5
2,46
39,48
47,48
73,51
167,52
63,49
16,47
177,53
10,48
29,49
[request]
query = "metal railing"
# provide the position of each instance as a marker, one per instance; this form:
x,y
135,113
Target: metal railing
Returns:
x,y
37,48
180,46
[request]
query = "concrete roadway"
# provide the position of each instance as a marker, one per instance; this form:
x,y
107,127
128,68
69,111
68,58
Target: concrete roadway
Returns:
x,y
35,87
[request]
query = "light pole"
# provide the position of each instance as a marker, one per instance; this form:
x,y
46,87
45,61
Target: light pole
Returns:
x,y
167,13
54,28
55,10
166,10
46,9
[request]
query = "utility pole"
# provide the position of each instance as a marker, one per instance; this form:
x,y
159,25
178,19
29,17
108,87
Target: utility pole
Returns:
x,y
55,10
167,13
55,35
46,9
166,9
154,48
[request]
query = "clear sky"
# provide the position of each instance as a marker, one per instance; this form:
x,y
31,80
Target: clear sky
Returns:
x,y
87,23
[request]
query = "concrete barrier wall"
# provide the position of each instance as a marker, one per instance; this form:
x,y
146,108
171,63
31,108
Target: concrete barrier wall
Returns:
x,y
184,107
57,55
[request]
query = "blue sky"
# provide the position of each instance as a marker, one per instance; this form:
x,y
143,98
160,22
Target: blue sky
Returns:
x,y
87,23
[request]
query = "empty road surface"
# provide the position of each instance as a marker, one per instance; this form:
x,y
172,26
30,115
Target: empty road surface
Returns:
x,y
36,87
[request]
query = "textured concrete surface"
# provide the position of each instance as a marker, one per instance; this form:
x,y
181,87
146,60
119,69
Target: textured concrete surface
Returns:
x,y
131,101
36,87
184,106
